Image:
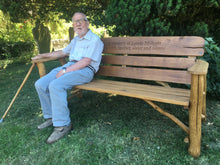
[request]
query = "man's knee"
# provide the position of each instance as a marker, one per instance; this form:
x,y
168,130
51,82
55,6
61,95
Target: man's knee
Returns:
x,y
37,84
56,86
40,85
53,86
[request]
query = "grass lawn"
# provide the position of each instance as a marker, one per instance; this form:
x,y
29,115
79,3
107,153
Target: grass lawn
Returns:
x,y
107,130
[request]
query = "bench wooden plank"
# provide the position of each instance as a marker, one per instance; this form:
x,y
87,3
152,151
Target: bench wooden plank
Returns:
x,y
142,91
176,76
155,45
140,87
167,62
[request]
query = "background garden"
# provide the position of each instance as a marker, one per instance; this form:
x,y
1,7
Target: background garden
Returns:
x,y
107,129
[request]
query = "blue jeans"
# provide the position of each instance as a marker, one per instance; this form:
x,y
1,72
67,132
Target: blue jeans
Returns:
x,y
52,92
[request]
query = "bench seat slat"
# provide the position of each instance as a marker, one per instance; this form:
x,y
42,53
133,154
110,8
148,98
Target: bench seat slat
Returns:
x,y
149,92
167,62
176,76
149,88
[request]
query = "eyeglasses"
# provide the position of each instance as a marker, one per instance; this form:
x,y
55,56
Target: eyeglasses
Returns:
x,y
79,21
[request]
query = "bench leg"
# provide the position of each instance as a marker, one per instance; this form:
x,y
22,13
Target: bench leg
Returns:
x,y
62,61
41,69
195,113
204,100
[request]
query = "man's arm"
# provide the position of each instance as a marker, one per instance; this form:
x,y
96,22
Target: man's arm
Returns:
x,y
56,54
77,66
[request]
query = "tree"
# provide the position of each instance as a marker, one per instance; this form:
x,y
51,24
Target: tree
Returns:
x,y
44,10
159,17
92,8
41,12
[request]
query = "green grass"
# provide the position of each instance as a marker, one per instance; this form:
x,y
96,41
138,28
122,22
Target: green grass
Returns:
x,y
107,129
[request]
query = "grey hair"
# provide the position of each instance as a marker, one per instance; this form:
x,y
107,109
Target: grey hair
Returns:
x,y
80,14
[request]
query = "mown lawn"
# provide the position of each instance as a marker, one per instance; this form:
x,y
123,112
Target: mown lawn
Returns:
x,y
107,130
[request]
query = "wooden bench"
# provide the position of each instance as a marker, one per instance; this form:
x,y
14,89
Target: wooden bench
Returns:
x,y
165,60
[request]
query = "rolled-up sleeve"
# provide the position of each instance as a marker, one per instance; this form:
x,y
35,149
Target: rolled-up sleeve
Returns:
x,y
68,48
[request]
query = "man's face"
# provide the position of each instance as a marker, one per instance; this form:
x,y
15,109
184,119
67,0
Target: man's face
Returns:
x,y
80,25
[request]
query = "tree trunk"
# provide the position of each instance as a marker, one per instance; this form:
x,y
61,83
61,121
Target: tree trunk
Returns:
x,y
42,37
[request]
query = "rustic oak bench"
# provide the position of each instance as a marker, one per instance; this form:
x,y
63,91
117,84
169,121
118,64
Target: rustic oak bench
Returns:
x,y
164,60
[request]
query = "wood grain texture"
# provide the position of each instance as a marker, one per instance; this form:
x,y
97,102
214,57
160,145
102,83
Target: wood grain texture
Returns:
x,y
200,67
155,45
147,92
145,61
175,76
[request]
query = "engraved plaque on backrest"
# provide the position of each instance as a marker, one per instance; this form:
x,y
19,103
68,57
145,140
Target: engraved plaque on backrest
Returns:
x,y
154,45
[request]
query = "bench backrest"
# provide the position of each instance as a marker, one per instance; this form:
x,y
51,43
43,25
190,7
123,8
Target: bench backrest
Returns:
x,y
151,58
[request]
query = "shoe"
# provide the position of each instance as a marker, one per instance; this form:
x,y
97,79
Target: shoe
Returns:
x,y
46,124
58,133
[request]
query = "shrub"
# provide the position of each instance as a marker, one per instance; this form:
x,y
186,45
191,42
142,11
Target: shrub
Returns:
x,y
9,49
212,56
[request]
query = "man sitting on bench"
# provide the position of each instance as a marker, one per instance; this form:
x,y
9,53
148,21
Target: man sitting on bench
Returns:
x,y
84,58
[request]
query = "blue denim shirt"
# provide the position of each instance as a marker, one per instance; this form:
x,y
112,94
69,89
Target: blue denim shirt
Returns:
x,y
89,46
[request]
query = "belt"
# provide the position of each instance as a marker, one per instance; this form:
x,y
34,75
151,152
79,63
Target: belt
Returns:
x,y
89,66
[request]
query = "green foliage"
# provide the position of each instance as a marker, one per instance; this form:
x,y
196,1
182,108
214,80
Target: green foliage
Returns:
x,y
153,28
44,11
159,17
10,31
59,27
94,9
198,29
18,32
18,9
146,17
10,49
48,14
212,56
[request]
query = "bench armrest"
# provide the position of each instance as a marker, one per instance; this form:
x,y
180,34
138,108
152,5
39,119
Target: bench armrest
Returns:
x,y
41,58
200,67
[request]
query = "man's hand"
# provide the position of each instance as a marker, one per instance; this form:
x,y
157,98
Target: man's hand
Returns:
x,y
60,73
77,66
36,58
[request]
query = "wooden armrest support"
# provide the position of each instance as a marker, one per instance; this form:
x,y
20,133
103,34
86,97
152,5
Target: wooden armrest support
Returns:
x,y
200,67
48,57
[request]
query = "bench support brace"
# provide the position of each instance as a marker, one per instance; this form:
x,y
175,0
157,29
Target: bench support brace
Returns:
x,y
172,117
75,92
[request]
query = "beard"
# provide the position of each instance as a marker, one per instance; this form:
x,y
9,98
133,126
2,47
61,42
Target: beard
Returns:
x,y
81,31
